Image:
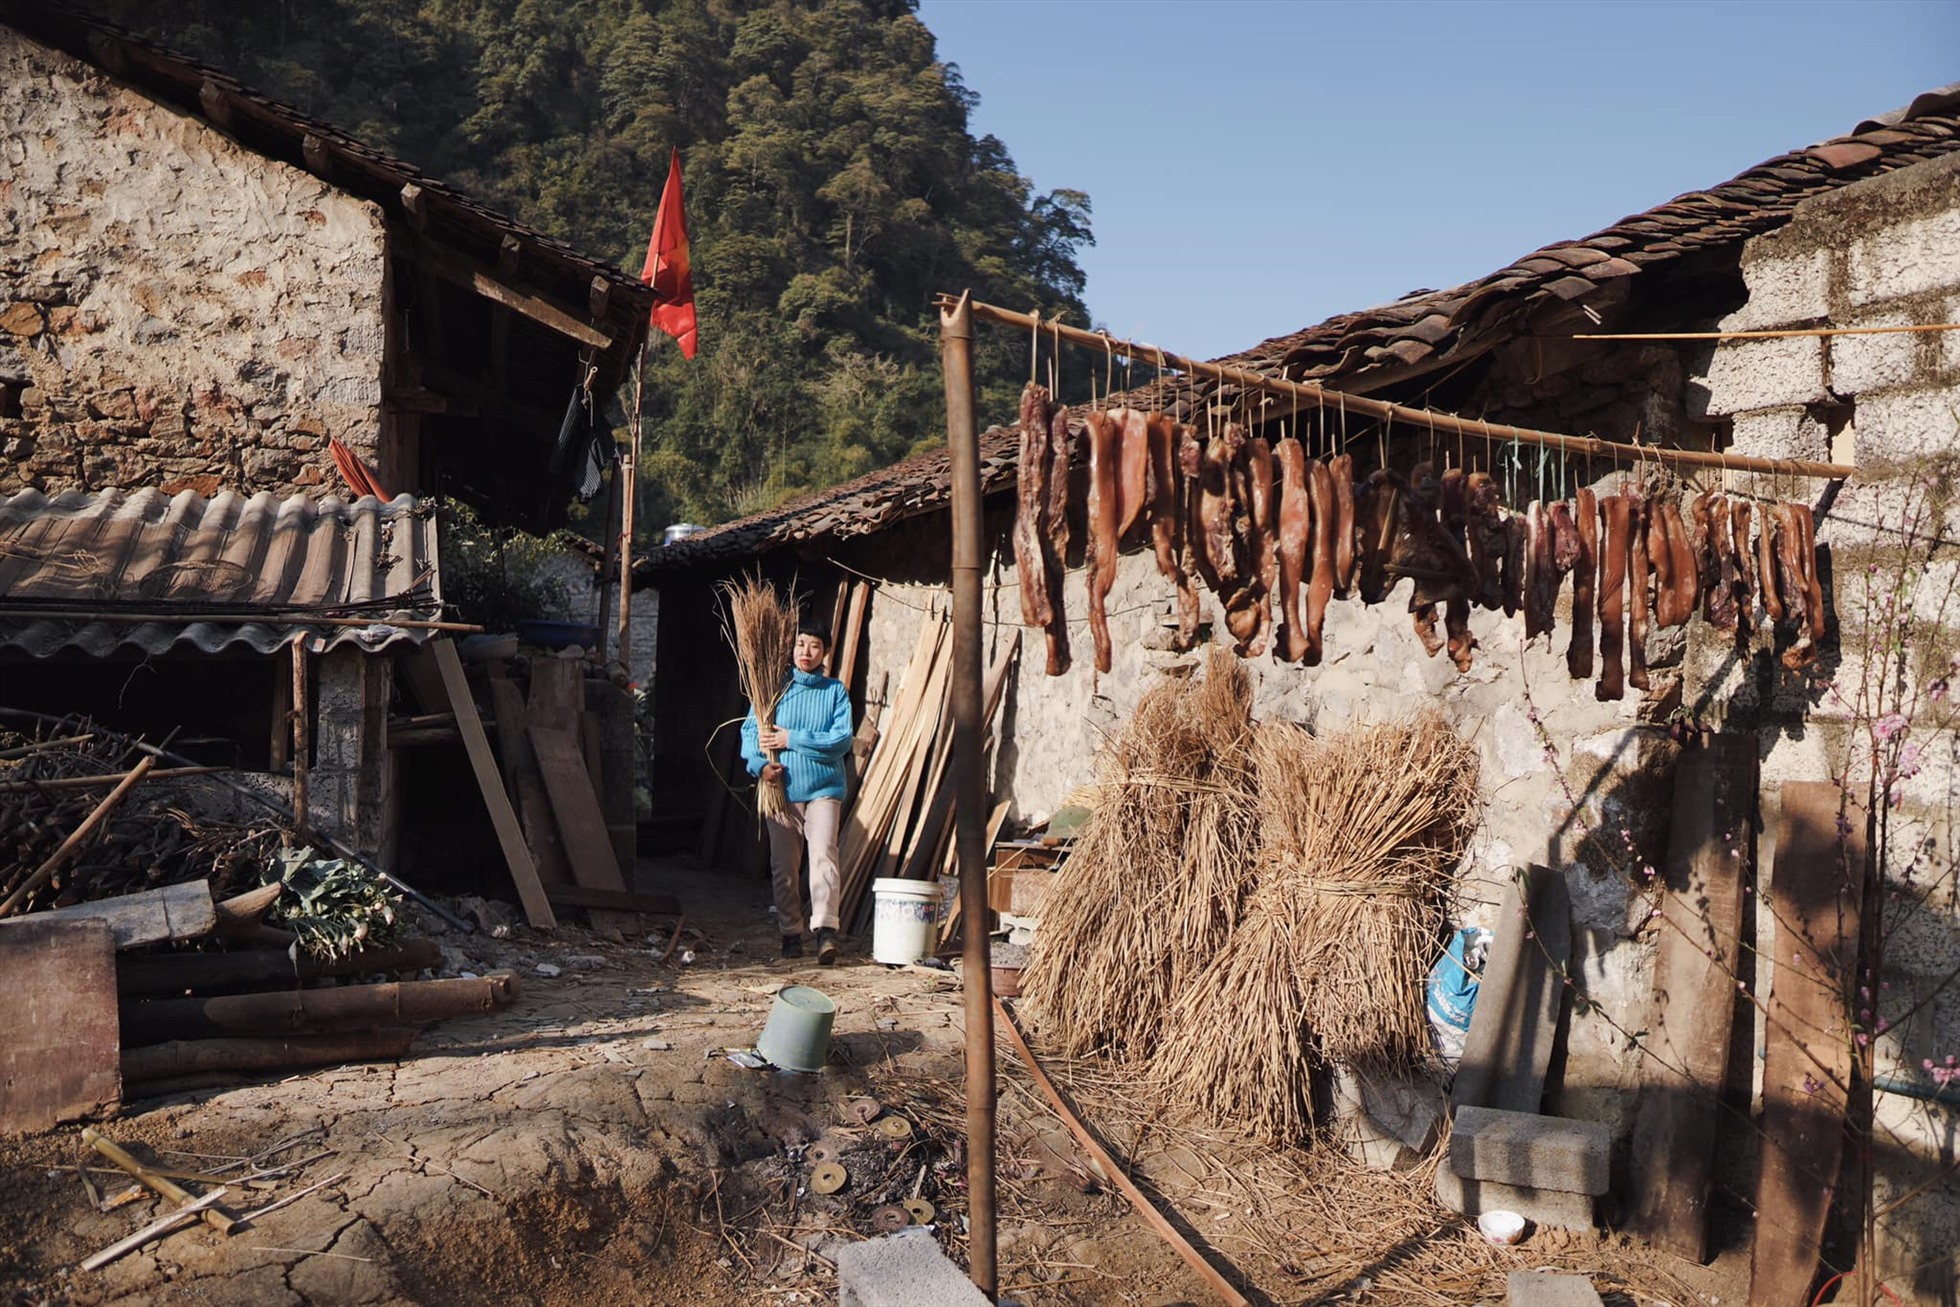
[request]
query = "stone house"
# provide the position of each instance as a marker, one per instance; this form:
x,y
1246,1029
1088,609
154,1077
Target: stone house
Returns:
x,y
1859,231
202,288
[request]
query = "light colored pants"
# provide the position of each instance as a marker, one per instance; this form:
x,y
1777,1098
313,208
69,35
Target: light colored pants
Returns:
x,y
817,823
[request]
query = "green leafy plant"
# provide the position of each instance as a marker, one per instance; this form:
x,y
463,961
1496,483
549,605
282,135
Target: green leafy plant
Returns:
x,y
333,905
494,576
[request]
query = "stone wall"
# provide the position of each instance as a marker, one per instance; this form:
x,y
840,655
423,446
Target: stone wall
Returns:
x,y
175,311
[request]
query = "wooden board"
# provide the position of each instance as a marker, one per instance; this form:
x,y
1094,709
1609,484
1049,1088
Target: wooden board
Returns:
x,y
60,1055
153,916
521,770
556,697
1684,1058
1508,1048
510,835
1815,897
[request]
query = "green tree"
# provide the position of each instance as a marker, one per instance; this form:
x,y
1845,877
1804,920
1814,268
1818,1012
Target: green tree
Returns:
x,y
833,187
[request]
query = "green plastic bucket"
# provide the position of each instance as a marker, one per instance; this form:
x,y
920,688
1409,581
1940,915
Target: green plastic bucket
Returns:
x,y
797,1037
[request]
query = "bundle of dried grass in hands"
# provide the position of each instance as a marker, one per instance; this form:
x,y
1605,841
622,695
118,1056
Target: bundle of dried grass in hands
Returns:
x,y
1152,886
1359,837
759,623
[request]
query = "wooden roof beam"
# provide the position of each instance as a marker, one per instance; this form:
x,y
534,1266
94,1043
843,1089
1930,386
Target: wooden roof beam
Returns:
x,y
462,270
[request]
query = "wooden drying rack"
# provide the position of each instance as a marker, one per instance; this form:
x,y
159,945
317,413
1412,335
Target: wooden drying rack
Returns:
x,y
1312,396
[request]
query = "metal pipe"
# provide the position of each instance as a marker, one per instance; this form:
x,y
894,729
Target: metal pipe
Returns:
x,y
1436,423
969,793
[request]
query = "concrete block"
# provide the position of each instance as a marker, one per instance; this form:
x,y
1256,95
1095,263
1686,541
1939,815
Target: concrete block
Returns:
x,y
1866,363
1753,374
1538,1152
1905,424
1554,1208
906,1269
1538,1289
1784,290
1788,432
1920,257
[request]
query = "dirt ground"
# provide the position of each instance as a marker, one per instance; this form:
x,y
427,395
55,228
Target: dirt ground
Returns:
x,y
591,1144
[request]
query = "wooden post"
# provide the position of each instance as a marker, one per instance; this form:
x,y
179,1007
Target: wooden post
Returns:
x,y
302,738
629,461
969,792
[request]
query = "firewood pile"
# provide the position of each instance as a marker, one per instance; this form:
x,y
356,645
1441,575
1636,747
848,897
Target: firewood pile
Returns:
x,y
1275,535
53,782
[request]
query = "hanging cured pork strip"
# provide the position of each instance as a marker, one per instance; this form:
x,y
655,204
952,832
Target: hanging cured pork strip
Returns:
x,y
1616,517
1054,545
1132,466
1723,591
1322,486
1216,505
1541,580
1374,511
1639,576
1686,576
1295,521
1484,537
1790,582
1167,526
1239,592
1565,537
1517,551
1420,548
1766,566
1262,539
1745,561
1341,469
1104,450
1456,611
1456,628
1660,560
1031,507
1191,534
1585,565
1813,583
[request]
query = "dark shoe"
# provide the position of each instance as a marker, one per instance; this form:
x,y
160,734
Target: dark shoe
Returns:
x,y
792,946
826,947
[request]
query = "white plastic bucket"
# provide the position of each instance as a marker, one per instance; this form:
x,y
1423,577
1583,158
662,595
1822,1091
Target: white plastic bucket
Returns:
x,y
902,921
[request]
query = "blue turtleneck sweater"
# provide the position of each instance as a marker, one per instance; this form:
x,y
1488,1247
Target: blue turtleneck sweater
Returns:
x,y
816,711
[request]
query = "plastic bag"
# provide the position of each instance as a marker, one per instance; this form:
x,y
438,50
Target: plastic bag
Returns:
x,y
1452,991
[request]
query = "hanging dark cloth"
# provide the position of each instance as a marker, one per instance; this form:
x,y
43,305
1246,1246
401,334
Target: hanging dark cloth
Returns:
x,y
584,448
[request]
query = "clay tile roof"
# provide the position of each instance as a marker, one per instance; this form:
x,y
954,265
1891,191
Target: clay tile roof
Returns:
x,y
152,571
1423,331
568,278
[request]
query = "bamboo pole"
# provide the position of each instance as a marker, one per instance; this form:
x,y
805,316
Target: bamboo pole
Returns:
x,y
156,1229
302,740
969,787
97,782
1430,420
77,837
214,1216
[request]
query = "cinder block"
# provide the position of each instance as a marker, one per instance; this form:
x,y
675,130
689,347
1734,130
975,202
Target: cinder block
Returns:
x,y
906,1269
1860,364
1905,424
1537,1289
1537,1152
1783,291
1905,258
1780,433
1752,374
1547,1207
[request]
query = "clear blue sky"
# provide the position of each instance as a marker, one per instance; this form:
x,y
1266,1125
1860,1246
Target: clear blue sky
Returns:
x,y
1257,167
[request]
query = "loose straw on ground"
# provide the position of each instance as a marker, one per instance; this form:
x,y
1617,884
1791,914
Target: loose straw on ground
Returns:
x,y
760,626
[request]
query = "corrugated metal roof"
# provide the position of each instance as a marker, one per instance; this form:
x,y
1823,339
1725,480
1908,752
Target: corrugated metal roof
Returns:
x,y
111,570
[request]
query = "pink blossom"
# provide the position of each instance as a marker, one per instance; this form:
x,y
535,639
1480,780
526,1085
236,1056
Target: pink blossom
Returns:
x,y
1890,725
1911,759
1937,690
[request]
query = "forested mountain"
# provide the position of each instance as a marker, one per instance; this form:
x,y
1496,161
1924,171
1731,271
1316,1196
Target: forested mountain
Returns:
x,y
832,187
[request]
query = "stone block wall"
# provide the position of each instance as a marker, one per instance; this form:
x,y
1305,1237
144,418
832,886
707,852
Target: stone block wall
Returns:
x,y
175,310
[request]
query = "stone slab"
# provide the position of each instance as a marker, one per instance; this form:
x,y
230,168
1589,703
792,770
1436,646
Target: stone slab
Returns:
x,y
1509,1047
906,1269
1554,1208
1387,1122
1539,1152
1538,1289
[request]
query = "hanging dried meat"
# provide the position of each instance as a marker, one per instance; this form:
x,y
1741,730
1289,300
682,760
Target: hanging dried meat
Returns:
x,y
1190,484
1031,508
1216,507
1055,540
1517,548
1616,517
1295,521
1104,449
1326,555
1541,578
1639,578
1485,537
1766,568
1585,569
1341,469
1132,466
1740,512
1167,522
1686,573
1724,588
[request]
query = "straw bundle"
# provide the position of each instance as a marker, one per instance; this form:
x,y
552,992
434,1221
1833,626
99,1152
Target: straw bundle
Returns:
x,y
760,625
1152,887
1359,836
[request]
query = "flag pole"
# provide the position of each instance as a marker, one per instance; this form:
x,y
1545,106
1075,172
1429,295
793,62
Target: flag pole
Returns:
x,y
629,461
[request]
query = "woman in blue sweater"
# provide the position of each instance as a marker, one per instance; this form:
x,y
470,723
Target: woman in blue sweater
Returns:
x,y
811,738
